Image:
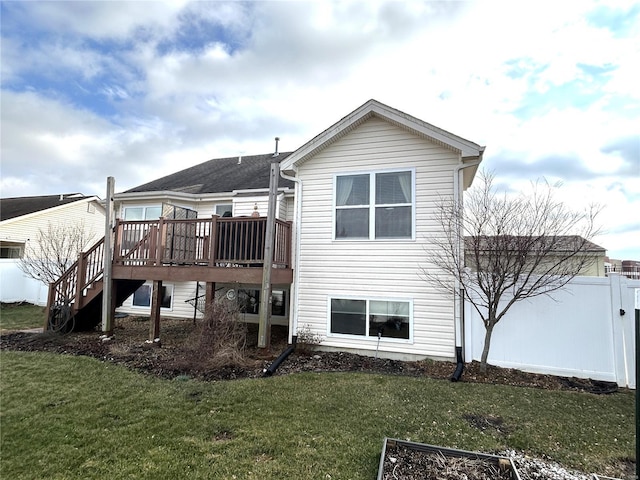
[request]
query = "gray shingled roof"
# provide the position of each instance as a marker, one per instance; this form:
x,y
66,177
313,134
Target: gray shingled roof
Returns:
x,y
219,175
560,243
18,206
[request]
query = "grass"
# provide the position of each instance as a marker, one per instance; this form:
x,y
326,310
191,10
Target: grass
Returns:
x,y
18,316
76,417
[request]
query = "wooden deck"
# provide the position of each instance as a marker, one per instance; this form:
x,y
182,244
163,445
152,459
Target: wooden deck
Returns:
x,y
212,250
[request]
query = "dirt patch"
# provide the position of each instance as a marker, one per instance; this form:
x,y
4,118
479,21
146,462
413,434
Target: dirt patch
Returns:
x,y
175,357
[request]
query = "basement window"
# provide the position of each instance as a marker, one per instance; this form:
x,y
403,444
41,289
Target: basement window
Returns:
x,y
142,296
392,319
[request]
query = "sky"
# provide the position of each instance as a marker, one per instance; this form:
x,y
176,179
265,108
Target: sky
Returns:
x,y
139,90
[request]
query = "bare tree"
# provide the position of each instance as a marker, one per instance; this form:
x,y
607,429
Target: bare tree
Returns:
x,y
501,249
54,250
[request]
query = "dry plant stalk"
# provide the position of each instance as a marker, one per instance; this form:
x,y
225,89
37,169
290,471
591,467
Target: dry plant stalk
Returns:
x,y
221,339
410,464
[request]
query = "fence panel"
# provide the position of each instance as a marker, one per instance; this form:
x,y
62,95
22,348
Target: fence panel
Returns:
x,y
15,286
579,332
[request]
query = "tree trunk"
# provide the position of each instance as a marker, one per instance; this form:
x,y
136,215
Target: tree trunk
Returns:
x,y
487,344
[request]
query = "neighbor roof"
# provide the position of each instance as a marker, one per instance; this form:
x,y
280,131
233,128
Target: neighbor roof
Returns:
x,y
19,206
219,175
561,242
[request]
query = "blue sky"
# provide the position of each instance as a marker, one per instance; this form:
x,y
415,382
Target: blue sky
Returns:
x,y
137,90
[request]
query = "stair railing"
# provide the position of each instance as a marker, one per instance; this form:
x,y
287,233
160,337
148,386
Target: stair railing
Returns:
x,y
70,287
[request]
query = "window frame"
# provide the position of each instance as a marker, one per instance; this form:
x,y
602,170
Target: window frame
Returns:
x,y
170,290
367,337
144,211
372,206
11,249
223,205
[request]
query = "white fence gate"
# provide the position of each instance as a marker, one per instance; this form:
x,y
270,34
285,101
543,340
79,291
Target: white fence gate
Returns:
x,y
15,286
586,330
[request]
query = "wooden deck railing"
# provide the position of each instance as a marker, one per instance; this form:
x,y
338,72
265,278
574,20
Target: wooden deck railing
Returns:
x,y
212,241
68,289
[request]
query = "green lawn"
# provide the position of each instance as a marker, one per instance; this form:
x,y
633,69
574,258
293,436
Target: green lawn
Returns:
x,y
17,316
66,417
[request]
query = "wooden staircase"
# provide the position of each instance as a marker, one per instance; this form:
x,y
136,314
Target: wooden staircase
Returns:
x,y
75,299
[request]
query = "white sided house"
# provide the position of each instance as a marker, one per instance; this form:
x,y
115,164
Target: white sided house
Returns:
x,y
366,191
353,220
21,221
360,196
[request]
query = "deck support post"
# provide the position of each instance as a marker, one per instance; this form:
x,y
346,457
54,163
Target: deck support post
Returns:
x,y
156,302
264,322
209,299
107,301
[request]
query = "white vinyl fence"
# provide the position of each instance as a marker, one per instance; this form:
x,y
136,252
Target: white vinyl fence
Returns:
x,y
15,286
586,330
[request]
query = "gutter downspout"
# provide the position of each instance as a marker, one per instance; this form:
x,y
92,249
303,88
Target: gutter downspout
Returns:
x,y
297,215
458,297
271,369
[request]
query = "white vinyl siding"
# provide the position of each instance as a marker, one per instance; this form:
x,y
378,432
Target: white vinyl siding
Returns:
x,y
386,269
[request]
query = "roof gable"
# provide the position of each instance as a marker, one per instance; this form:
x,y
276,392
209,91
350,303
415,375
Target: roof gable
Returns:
x,y
20,206
373,108
218,176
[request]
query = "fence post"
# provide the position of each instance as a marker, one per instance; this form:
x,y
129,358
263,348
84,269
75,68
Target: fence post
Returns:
x,y
637,301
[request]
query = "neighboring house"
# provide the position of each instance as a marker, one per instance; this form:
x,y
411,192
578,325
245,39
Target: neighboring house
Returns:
x,y
628,268
354,210
550,248
21,220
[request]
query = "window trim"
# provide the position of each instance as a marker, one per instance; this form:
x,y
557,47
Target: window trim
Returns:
x,y
144,211
366,337
225,204
18,247
372,206
150,285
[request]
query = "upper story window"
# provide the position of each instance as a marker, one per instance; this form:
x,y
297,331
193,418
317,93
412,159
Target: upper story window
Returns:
x,y
224,208
142,213
374,205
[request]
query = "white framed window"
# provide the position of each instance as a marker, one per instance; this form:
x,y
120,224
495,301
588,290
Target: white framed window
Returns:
x,y
375,205
389,318
142,296
143,213
248,301
224,208
11,250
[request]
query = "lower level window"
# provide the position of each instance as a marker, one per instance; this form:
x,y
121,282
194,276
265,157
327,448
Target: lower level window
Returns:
x,y
370,318
142,296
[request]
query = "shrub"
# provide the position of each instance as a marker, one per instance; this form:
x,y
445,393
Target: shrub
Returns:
x,y
307,339
220,339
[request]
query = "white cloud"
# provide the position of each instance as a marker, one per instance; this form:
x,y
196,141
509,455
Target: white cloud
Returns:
x,y
172,84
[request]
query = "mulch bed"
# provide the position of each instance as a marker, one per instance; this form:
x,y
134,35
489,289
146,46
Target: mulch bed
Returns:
x,y
175,357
